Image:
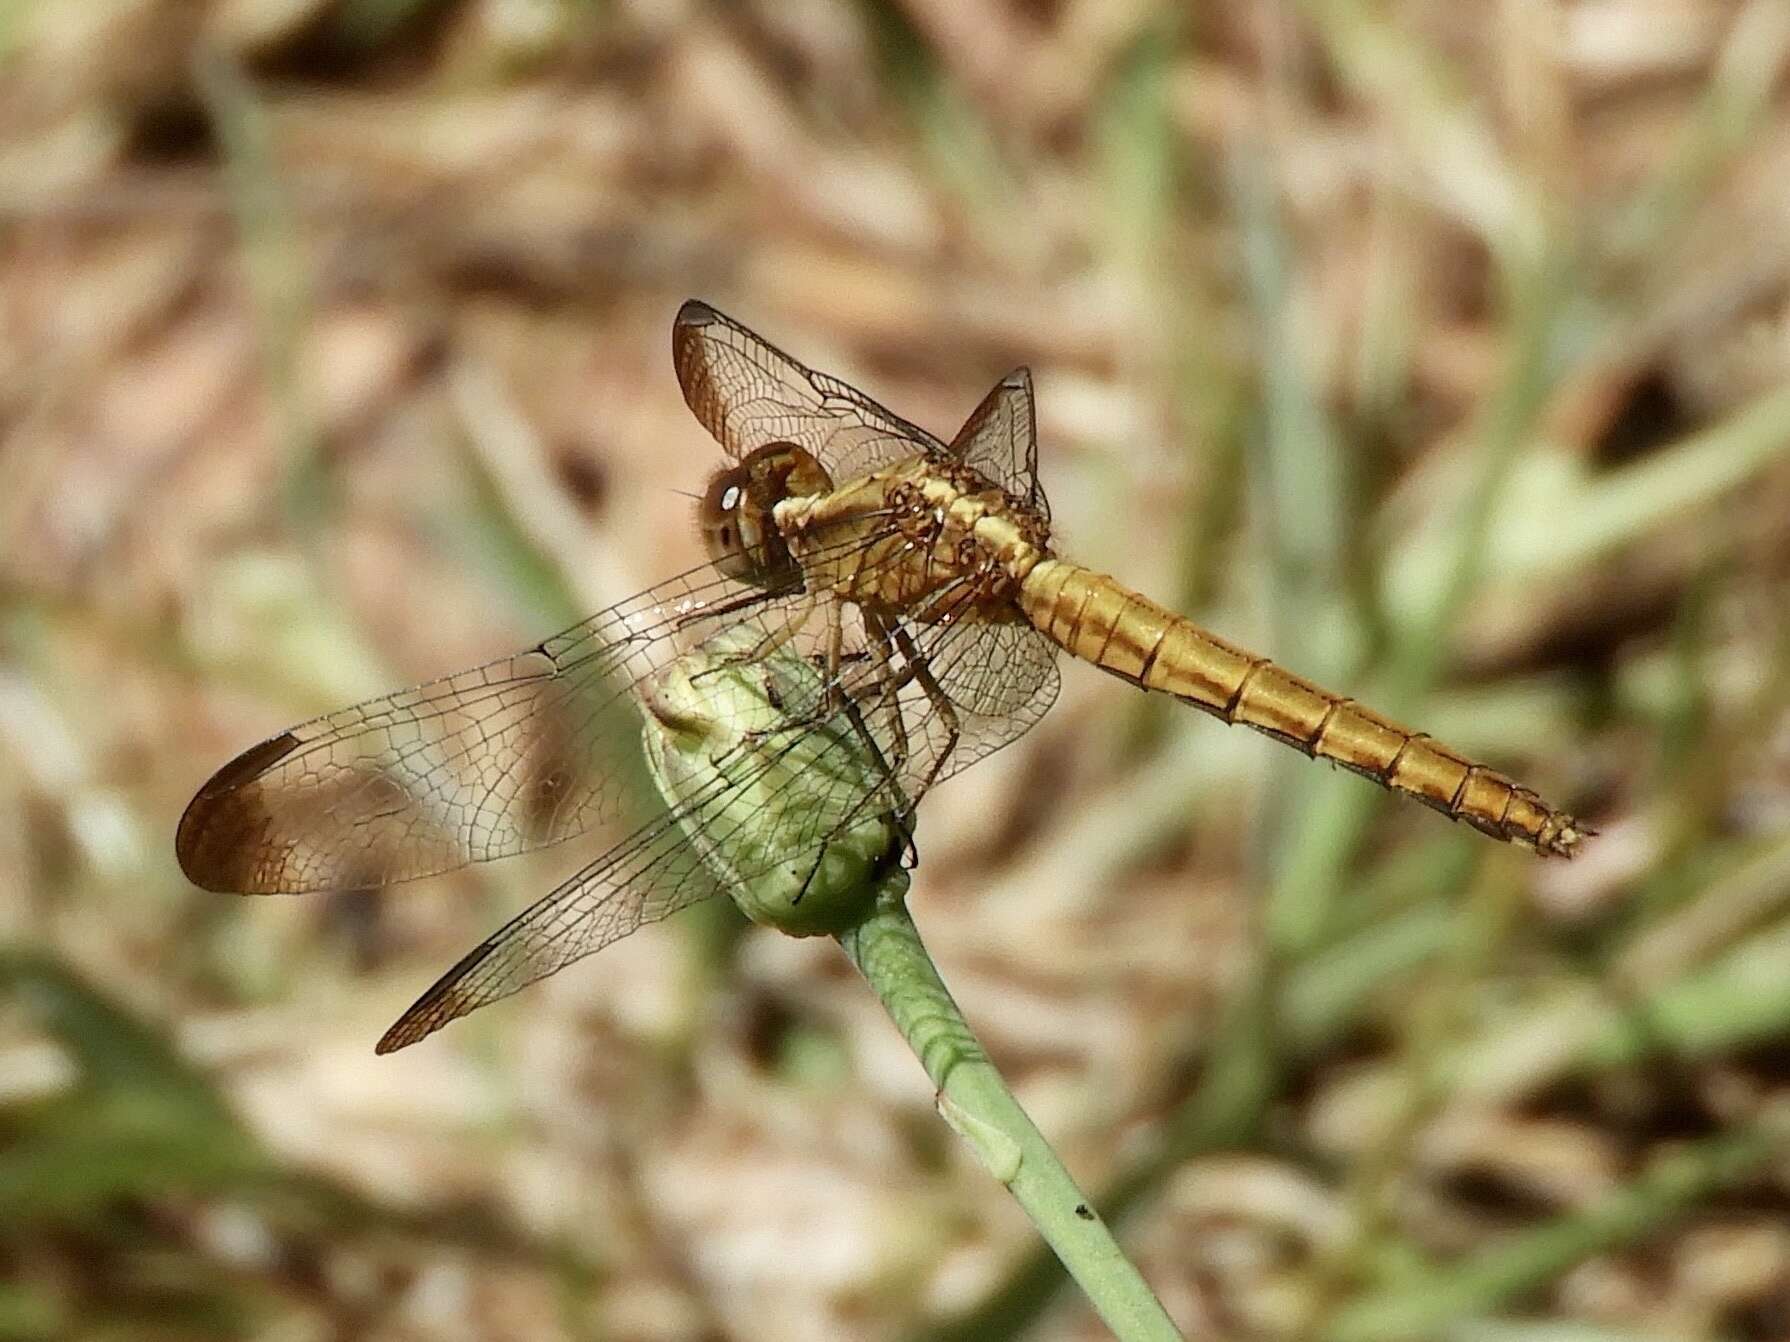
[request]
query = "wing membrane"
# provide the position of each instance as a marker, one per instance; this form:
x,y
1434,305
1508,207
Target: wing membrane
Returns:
x,y
521,753
1000,439
747,393
1007,676
530,750
645,878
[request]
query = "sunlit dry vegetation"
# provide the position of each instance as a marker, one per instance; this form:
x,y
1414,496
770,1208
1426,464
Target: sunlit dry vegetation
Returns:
x,y
1438,350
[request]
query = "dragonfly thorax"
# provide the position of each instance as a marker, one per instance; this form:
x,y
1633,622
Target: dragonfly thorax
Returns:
x,y
736,517
924,540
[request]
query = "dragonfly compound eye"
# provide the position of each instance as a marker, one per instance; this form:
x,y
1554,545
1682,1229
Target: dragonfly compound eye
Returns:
x,y
728,532
737,515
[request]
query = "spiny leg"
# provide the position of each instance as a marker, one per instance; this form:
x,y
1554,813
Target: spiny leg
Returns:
x,y
769,640
899,808
744,601
890,684
941,703
836,697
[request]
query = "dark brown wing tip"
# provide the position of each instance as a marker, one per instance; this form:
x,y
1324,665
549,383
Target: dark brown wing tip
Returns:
x,y
689,360
249,765
216,828
194,855
399,1036
445,1001
693,312
415,1025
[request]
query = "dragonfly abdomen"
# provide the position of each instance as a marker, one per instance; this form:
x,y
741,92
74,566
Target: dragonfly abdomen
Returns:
x,y
1100,620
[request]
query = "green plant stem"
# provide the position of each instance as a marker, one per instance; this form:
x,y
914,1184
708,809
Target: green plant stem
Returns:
x,y
975,1101
728,757
1526,1261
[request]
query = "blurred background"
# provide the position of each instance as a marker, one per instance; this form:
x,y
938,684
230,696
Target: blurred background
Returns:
x,y
1438,350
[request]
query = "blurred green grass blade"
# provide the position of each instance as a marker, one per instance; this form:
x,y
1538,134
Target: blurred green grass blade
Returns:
x,y
143,1122
1558,518
11,16
522,569
1742,999
1527,1260
1326,990
1535,300
966,157
1739,897
1299,481
1689,781
1299,471
1693,996
30,1314
1320,852
83,1155
114,1049
1436,115
369,24
1622,506
274,257
73,1162
1724,123
1138,152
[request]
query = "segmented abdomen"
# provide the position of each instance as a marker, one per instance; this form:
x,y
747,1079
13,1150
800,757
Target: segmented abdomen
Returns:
x,y
1098,619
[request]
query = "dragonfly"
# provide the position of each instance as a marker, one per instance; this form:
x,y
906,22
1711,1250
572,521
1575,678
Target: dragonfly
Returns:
x,y
916,576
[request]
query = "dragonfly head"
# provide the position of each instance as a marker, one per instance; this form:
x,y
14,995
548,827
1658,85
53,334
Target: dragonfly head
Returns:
x,y
736,517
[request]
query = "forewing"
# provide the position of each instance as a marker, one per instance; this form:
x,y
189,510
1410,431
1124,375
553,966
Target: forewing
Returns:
x,y
1001,679
747,392
1000,439
518,754
747,803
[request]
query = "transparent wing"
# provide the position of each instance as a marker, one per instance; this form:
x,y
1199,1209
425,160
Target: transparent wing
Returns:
x,y
532,749
1000,680
649,876
518,754
1000,439
747,393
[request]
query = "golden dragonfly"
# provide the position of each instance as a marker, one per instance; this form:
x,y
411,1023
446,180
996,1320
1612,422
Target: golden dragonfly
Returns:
x,y
916,576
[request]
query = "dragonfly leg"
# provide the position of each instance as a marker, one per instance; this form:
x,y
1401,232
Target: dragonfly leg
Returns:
x,y
744,601
889,686
769,641
900,810
936,696
835,644
893,638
